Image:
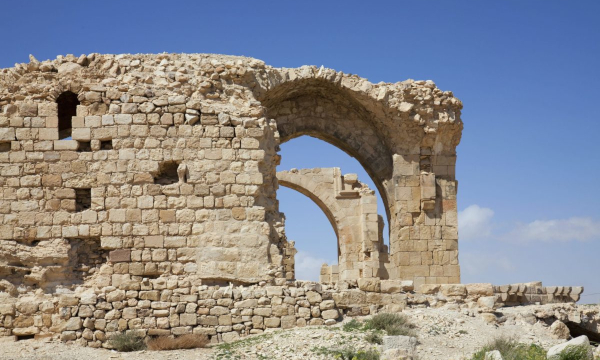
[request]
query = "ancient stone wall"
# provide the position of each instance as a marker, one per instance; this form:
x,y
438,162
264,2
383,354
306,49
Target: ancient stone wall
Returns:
x,y
170,306
167,164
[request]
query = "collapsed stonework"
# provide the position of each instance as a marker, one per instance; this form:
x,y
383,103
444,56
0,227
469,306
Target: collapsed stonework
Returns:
x,y
138,192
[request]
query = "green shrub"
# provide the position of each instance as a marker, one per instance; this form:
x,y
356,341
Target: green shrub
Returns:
x,y
348,353
374,338
352,325
392,324
128,341
579,352
510,349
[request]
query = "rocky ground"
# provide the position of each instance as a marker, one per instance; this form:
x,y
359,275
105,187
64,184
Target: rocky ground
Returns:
x,y
447,333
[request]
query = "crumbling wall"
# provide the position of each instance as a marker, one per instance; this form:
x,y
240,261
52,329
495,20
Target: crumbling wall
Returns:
x,y
171,161
171,306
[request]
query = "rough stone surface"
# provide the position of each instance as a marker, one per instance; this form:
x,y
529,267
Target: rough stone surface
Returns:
x,y
578,341
160,213
560,330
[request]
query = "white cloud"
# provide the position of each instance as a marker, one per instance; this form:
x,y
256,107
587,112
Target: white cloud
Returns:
x,y
474,264
308,267
559,230
474,222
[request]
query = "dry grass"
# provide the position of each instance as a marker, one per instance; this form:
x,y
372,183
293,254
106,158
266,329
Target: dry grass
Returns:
x,y
190,341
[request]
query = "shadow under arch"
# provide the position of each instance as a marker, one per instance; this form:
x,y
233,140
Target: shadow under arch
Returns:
x,y
325,111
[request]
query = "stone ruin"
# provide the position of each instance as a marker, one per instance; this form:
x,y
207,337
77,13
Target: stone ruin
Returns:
x,y
138,192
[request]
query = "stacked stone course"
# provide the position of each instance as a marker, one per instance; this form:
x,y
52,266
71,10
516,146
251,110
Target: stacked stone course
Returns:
x,y
171,306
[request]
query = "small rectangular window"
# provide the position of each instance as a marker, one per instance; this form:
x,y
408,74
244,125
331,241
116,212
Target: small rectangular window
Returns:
x,y
84,146
4,147
83,199
106,145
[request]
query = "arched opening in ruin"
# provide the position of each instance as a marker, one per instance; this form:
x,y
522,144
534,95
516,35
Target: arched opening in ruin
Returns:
x,y
67,108
350,207
326,111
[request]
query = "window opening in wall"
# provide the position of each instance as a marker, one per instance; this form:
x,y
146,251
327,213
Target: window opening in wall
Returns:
x,y
84,146
4,147
83,199
106,145
167,173
67,108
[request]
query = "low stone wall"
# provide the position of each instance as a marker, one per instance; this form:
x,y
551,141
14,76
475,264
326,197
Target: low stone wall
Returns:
x,y
170,306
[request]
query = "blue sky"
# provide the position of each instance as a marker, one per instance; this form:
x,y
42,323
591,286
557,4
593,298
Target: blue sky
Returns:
x,y
526,71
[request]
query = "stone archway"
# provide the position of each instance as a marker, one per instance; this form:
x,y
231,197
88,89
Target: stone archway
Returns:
x,y
404,135
351,208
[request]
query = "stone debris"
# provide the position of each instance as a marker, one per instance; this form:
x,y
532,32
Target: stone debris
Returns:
x,y
442,333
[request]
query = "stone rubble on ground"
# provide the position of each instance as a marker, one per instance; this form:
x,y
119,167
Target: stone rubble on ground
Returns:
x,y
445,333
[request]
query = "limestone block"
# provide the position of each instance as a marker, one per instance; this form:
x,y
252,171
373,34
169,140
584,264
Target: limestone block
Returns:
x,y
81,134
71,145
188,319
327,305
391,286
116,295
31,330
578,341
488,302
453,290
330,314
272,322
288,321
28,305
429,289
7,309
480,289
560,330
120,255
28,109
369,284
230,336
313,297
274,291
73,324
153,241
88,298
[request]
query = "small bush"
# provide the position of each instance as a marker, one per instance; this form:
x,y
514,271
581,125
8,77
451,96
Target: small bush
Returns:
x,y
352,325
374,338
510,349
392,324
190,341
128,341
573,353
348,353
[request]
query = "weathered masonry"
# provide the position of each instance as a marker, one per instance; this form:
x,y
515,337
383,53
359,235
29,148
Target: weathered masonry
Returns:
x,y
119,167
138,193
